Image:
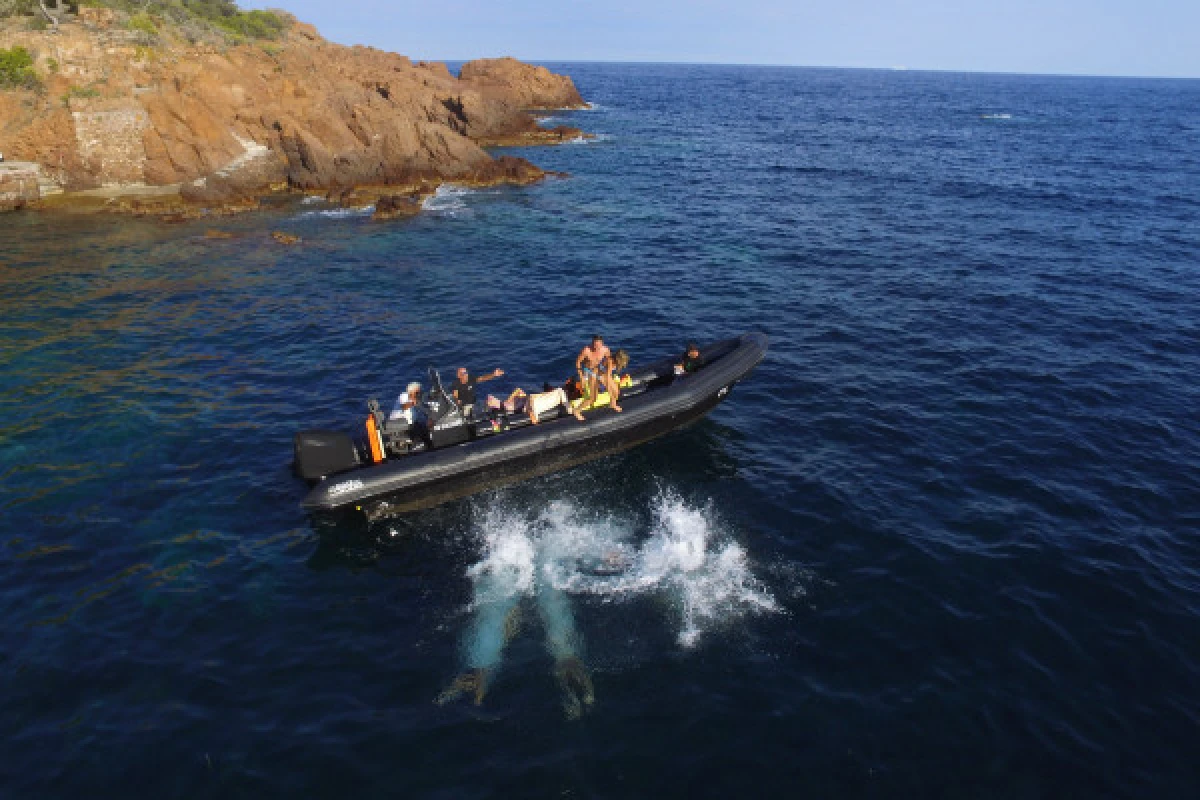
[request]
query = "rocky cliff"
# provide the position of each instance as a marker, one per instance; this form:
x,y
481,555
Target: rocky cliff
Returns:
x,y
18,185
136,120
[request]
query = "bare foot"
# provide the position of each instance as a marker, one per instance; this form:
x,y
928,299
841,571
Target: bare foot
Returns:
x,y
473,683
575,683
533,419
578,416
617,409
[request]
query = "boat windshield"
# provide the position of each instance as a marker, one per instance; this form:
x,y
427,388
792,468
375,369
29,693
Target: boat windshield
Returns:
x,y
439,401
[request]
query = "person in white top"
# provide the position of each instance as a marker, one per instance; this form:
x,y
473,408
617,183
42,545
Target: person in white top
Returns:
x,y
408,405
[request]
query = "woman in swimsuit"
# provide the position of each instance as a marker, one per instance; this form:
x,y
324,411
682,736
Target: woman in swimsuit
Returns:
x,y
612,365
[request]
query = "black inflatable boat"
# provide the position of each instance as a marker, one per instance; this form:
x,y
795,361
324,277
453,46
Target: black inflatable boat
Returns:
x,y
393,470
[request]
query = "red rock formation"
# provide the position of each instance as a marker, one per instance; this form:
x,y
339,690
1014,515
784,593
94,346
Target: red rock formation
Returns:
x,y
18,185
391,206
530,87
212,126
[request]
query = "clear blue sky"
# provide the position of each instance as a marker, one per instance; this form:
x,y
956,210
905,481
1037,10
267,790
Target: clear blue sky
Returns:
x,y
1096,37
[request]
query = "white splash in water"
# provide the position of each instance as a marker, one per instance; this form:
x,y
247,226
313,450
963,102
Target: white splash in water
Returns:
x,y
448,200
341,213
507,567
685,557
711,576
594,138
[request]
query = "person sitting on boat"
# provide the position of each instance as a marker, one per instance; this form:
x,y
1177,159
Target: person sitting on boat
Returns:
x,y
463,388
588,360
408,405
543,402
515,403
690,361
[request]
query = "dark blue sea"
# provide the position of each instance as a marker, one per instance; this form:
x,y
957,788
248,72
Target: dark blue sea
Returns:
x,y
944,542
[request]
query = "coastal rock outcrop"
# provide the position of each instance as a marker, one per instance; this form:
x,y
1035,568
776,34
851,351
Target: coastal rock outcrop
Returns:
x,y
178,124
529,86
391,206
18,185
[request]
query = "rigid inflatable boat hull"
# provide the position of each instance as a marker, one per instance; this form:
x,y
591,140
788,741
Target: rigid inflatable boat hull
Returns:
x,y
429,479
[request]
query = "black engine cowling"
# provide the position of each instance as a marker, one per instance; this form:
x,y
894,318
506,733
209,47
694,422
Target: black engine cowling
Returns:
x,y
321,453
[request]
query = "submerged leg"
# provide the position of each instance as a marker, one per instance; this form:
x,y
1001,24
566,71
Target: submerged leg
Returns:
x,y
494,625
576,685
472,682
512,624
562,640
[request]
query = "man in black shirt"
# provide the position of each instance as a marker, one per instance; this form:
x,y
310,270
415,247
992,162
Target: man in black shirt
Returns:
x,y
463,388
690,361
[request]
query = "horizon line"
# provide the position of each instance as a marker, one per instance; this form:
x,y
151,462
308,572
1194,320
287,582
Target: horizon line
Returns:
x,y
898,68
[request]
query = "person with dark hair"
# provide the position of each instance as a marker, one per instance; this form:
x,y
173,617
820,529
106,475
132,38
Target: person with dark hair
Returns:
x,y
690,362
590,362
463,388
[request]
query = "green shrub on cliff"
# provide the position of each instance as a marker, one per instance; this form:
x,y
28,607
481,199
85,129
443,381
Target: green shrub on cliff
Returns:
x,y
16,69
255,24
143,23
221,18
226,15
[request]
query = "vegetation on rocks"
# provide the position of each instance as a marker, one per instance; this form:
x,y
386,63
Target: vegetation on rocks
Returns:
x,y
197,19
16,69
137,112
143,23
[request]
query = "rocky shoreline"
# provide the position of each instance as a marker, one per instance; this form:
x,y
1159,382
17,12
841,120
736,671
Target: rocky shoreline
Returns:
x,y
156,125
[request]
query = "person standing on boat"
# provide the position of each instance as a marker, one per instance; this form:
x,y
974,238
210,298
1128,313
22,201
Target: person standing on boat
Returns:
x,y
612,377
463,388
590,363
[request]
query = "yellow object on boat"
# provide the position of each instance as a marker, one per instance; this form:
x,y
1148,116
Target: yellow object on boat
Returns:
x,y
602,398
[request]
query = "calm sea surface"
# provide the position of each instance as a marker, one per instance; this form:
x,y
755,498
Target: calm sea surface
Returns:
x,y
945,542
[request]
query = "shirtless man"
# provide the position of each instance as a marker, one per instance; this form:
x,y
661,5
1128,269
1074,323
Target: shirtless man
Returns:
x,y
592,361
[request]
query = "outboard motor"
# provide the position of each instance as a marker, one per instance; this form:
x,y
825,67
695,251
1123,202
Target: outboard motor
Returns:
x,y
322,453
375,431
448,426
